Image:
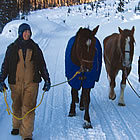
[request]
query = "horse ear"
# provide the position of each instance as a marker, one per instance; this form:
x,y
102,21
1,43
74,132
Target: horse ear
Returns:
x,y
80,28
95,30
78,31
120,30
132,30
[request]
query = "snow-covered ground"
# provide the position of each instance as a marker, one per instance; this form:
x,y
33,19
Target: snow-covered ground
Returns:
x,y
52,29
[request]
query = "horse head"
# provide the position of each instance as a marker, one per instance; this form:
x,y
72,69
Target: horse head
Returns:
x,y
127,46
85,48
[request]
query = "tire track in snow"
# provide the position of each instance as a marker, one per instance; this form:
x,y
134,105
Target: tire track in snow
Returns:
x,y
40,118
114,119
134,114
75,125
53,111
133,80
128,128
124,124
110,121
123,117
106,128
96,105
127,113
43,43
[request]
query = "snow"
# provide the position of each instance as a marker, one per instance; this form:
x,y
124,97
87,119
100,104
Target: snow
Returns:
x,y
52,28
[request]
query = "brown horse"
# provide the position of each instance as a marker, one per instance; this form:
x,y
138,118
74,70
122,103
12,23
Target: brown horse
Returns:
x,y
118,55
81,55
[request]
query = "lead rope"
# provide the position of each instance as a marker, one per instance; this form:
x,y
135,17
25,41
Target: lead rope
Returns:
x,y
131,85
132,88
9,110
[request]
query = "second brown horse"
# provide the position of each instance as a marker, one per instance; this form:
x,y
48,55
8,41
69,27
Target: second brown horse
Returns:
x,y
118,55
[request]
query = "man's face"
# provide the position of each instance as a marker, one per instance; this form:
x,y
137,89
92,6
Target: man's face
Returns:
x,y
26,35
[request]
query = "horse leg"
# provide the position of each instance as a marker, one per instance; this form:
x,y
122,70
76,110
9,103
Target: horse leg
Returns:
x,y
123,85
111,79
76,96
74,93
81,102
112,94
121,99
86,100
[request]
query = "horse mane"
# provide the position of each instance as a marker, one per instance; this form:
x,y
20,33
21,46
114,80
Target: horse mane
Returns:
x,y
75,61
76,36
129,34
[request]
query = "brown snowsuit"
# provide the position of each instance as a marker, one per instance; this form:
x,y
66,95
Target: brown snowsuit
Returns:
x,y
24,95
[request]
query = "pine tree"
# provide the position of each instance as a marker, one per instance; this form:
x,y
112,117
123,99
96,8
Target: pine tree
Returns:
x,y
8,11
121,6
26,7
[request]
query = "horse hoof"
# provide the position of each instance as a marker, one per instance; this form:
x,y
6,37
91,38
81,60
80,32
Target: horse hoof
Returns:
x,y
81,108
121,104
112,98
87,125
71,114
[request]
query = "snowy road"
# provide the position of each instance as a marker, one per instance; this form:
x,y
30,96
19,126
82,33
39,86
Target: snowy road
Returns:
x,y
109,121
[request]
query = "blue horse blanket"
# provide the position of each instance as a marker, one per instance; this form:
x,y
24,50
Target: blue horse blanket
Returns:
x,y
71,68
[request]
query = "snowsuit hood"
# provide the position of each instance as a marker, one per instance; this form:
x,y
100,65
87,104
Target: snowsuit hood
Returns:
x,y
22,28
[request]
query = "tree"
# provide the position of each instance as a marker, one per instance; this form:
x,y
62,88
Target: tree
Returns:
x,y
121,6
26,7
8,11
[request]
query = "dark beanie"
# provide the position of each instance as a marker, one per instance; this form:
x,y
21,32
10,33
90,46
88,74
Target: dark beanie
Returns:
x,y
22,28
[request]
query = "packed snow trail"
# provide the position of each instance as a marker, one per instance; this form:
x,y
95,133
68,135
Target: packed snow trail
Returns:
x,y
109,121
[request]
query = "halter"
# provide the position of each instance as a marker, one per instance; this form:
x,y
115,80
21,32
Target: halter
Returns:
x,y
87,61
81,67
127,52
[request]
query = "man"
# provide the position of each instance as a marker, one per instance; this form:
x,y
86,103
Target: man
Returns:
x,y
24,65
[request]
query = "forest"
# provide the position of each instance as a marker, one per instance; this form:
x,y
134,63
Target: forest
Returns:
x,y
19,9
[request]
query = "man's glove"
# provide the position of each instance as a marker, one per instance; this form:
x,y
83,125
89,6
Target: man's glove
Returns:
x,y
47,85
2,86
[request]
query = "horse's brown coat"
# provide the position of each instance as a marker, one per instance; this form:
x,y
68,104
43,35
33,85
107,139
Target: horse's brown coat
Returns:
x,y
80,50
114,57
82,55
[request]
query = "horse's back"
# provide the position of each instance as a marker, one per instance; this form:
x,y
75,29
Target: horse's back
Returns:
x,y
111,39
110,45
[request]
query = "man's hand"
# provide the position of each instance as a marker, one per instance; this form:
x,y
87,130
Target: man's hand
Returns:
x,y
2,86
47,86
